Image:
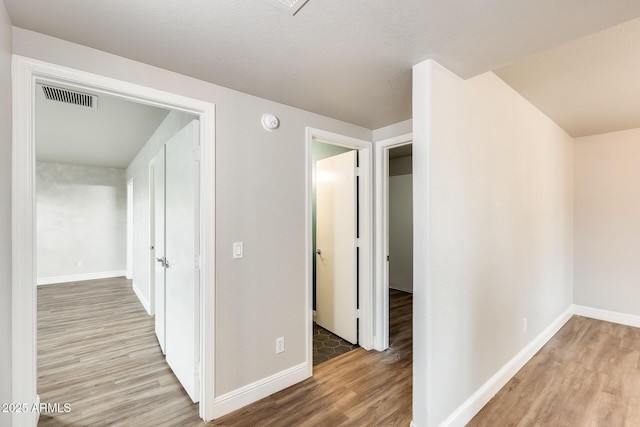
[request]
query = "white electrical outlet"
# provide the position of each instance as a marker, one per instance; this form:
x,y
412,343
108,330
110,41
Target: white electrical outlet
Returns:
x,y
524,325
280,345
80,264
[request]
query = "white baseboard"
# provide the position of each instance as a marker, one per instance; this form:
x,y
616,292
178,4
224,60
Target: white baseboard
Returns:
x,y
79,277
607,316
28,418
38,413
250,393
143,300
476,402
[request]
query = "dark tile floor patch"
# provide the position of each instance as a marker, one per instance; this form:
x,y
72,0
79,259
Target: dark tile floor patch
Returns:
x,y
327,345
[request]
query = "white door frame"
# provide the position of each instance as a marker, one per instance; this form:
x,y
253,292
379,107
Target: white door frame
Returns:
x,y
367,316
152,243
382,148
26,72
152,263
130,228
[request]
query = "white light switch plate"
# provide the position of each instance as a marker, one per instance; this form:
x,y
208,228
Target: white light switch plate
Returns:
x,y
238,250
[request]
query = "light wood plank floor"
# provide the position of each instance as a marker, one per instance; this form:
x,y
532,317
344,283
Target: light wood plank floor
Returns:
x,y
358,388
97,350
588,374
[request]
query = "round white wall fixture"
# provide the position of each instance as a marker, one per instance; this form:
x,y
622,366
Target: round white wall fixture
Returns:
x,y
270,122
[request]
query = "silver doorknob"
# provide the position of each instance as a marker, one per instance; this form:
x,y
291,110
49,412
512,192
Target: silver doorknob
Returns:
x,y
163,262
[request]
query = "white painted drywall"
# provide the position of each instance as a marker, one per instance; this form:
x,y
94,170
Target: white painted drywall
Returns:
x,y
5,212
493,233
607,221
260,200
396,129
81,220
401,231
138,170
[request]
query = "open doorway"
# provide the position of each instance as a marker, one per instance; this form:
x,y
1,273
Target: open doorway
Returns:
x,y
335,259
400,218
28,73
393,168
340,245
399,238
91,318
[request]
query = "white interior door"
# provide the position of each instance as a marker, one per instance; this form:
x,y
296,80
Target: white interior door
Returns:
x,y
336,257
158,244
182,291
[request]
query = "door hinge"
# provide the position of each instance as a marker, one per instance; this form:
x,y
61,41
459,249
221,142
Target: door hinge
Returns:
x,y
357,242
357,313
197,371
198,262
358,171
196,153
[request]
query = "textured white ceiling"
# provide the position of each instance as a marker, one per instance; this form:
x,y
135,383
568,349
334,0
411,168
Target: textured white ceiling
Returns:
x,y
109,136
588,86
348,59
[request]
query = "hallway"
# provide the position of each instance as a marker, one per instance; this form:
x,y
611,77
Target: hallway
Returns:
x,y
98,352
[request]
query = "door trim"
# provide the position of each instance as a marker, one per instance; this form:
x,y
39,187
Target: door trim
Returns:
x,y
152,243
130,190
367,315
25,73
381,341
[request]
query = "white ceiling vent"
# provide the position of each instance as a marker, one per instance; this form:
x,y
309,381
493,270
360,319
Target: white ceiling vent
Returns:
x,y
291,6
70,97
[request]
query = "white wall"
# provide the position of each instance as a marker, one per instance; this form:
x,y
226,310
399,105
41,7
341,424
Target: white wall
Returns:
x,y
5,212
396,129
493,232
138,169
260,200
81,218
607,221
401,231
